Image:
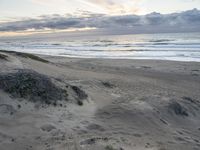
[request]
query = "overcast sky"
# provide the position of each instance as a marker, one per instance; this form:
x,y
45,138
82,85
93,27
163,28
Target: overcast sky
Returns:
x,y
32,16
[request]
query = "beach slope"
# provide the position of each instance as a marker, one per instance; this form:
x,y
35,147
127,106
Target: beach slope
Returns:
x,y
59,103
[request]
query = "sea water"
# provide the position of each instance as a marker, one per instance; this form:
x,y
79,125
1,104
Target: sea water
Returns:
x,y
165,46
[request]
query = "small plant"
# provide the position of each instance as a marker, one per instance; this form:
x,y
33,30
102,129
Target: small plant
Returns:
x,y
80,93
80,103
18,106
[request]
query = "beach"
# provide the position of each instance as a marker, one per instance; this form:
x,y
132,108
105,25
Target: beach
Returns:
x,y
111,104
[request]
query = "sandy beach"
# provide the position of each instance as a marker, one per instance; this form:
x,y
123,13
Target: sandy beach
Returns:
x,y
98,104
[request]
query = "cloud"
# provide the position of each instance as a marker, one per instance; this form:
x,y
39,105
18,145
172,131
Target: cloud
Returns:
x,y
150,23
48,2
117,6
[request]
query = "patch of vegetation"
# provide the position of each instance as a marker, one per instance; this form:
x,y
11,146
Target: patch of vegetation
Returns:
x,y
27,55
31,56
81,95
4,57
80,103
32,86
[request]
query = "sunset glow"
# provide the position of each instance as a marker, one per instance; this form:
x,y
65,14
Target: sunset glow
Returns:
x,y
16,13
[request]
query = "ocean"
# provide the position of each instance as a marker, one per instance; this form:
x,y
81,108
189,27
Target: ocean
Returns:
x,y
165,46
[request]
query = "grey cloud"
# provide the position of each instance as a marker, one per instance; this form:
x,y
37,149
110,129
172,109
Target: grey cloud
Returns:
x,y
52,23
154,22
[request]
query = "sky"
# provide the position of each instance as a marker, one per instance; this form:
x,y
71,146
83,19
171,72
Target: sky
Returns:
x,y
36,16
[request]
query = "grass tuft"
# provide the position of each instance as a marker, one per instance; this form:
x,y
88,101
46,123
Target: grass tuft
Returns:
x,y
32,86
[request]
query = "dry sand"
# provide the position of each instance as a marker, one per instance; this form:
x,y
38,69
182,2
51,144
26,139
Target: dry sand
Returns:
x,y
131,105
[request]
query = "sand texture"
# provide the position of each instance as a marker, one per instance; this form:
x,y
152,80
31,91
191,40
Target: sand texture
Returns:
x,y
57,103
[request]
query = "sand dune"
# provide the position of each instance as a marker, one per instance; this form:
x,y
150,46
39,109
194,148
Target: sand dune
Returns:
x,y
98,104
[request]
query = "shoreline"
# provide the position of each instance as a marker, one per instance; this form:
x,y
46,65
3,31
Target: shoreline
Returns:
x,y
103,58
